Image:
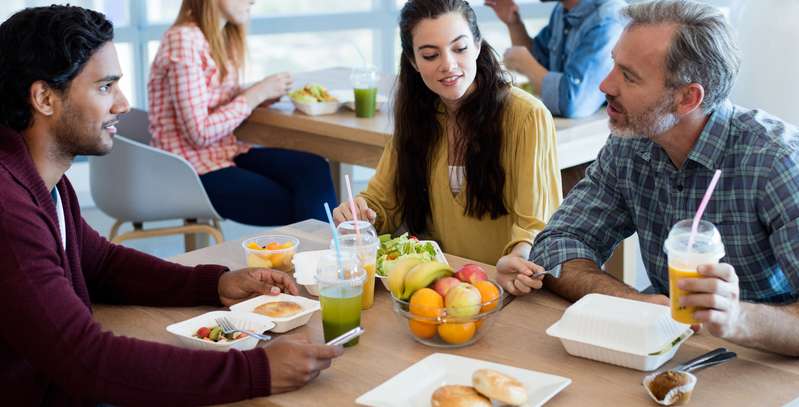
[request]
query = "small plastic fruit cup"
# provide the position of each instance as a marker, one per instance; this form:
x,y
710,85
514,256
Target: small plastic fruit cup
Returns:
x,y
271,251
448,327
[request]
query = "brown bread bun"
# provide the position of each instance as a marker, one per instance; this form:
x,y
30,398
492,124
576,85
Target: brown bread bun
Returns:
x,y
500,387
458,396
278,309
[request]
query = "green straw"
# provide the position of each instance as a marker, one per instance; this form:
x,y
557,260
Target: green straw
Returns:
x,y
335,240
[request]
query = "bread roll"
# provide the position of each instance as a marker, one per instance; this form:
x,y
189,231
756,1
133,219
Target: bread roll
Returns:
x,y
454,395
500,387
278,309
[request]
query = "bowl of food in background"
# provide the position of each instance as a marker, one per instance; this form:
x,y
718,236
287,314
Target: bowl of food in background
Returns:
x,y
270,251
442,308
314,100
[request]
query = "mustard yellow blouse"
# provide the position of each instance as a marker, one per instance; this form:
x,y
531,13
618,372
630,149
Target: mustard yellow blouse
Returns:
x,y
532,189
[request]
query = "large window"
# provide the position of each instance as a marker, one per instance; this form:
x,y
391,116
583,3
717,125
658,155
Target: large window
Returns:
x,y
295,35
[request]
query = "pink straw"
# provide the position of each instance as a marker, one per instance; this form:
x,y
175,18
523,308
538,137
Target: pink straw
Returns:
x,y
702,206
352,207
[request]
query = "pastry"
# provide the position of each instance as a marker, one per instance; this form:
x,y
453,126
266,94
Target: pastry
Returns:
x,y
500,387
278,309
454,395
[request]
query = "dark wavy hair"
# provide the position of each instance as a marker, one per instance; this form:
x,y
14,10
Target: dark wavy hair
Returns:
x,y
417,132
50,44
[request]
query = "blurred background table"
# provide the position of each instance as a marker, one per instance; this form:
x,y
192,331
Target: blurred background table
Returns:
x,y
344,138
517,339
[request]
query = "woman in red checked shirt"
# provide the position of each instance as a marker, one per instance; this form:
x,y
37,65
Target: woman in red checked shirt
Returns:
x,y
195,103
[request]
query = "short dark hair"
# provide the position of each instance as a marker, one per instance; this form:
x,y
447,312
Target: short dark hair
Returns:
x,y
50,44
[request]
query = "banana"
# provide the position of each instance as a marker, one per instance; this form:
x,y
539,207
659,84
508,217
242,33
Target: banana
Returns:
x,y
422,275
396,277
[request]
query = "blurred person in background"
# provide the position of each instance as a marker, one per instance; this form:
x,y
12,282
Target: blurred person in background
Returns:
x,y
196,101
569,57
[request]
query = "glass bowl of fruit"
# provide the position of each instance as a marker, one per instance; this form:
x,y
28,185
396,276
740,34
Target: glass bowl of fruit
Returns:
x,y
270,251
444,309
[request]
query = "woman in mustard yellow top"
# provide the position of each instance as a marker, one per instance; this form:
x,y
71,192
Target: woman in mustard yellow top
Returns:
x,y
473,161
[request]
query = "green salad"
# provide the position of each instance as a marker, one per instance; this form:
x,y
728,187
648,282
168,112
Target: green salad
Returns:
x,y
391,250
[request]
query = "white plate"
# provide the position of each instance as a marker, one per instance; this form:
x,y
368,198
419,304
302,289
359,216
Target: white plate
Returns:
x,y
299,319
347,98
185,330
415,385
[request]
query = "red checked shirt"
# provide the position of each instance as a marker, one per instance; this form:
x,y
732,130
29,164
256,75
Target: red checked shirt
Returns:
x,y
193,113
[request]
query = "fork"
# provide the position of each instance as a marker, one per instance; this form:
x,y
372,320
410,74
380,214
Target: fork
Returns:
x,y
228,328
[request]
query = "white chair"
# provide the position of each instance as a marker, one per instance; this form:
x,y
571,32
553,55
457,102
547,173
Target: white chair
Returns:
x,y
138,183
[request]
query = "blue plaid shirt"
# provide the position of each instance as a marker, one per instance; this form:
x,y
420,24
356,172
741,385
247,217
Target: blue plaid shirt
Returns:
x,y
575,47
634,187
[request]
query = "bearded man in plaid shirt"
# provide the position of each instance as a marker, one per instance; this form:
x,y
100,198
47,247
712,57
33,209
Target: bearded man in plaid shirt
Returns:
x,y
673,127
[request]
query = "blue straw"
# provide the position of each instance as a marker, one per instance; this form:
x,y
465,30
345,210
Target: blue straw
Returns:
x,y
335,239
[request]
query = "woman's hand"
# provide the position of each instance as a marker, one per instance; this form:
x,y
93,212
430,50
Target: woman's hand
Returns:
x,y
277,85
343,211
273,87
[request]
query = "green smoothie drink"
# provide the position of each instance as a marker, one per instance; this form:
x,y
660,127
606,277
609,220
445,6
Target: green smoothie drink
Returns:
x,y
365,102
340,290
364,82
341,311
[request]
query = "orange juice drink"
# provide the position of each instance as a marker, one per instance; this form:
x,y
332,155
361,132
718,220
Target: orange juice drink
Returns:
x,y
706,248
368,298
361,237
678,312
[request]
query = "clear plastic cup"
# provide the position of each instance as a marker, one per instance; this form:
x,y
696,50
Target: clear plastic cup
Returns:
x,y
683,260
340,292
364,247
364,83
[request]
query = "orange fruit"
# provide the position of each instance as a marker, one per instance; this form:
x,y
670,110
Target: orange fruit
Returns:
x,y
456,334
422,329
426,302
254,246
273,246
488,293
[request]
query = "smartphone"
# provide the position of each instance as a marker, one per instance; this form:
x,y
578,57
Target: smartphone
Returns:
x,y
346,336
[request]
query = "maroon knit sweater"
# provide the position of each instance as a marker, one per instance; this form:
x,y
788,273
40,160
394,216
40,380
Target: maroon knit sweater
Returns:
x,y
53,352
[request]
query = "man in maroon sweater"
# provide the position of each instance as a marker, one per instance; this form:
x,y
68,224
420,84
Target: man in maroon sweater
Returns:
x,y
59,98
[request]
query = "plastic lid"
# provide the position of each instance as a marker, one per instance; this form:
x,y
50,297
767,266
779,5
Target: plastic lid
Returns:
x,y
707,246
328,272
618,323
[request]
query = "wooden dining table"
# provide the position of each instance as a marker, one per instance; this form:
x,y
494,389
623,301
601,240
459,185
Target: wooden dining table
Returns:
x,y
517,338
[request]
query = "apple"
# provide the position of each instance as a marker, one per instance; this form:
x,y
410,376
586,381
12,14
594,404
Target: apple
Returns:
x,y
463,300
442,285
471,273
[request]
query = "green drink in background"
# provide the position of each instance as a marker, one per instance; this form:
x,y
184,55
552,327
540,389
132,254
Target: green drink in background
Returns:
x,y
364,82
340,291
365,102
341,311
